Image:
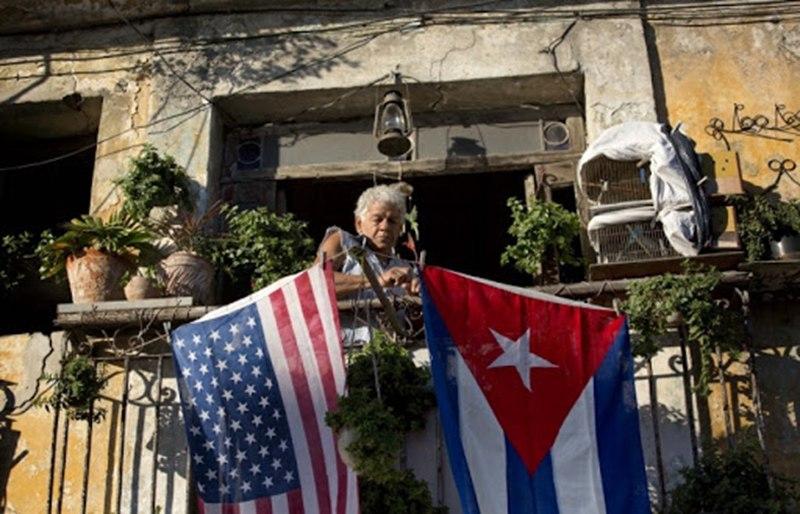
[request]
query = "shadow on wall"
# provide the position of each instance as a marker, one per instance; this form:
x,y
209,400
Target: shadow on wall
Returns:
x,y
149,425
8,439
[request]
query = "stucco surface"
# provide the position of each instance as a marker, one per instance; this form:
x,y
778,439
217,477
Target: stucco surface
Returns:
x,y
707,70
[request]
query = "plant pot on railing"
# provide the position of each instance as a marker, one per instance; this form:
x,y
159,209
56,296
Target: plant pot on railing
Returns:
x,y
140,287
786,248
94,276
188,274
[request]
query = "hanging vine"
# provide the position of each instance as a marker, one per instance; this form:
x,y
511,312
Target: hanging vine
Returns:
x,y
654,302
75,389
387,397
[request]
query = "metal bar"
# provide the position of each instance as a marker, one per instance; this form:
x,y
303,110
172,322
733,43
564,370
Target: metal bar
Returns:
x,y
726,405
62,477
123,417
151,356
155,437
662,483
361,256
87,457
687,392
53,446
752,371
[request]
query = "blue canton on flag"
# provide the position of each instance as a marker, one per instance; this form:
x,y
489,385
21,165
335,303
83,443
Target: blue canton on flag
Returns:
x,y
241,446
256,379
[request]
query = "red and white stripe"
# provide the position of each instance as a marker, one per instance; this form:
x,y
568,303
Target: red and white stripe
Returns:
x,y
301,327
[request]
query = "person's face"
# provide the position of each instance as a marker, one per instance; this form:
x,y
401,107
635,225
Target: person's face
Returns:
x,y
382,225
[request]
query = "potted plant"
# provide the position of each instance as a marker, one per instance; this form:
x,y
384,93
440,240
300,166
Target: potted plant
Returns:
x,y
768,226
541,230
154,180
95,254
262,246
187,270
143,283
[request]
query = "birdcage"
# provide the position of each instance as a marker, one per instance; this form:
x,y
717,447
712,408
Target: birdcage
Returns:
x,y
633,241
605,181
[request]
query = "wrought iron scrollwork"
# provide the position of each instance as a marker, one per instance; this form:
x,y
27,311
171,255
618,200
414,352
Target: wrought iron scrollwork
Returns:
x,y
783,126
782,168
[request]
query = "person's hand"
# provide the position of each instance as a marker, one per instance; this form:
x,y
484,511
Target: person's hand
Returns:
x,y
413,286
396,276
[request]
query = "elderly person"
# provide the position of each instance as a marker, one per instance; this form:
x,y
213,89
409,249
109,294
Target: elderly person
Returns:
x,y
379,220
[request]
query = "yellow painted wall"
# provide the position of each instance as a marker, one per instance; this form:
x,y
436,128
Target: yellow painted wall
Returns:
x,y
26,442
706,70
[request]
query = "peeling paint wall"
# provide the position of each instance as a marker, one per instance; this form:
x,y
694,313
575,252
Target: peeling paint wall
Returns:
x,y
706,70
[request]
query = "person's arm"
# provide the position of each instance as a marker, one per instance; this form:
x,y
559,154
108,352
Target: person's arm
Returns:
x,y
345,284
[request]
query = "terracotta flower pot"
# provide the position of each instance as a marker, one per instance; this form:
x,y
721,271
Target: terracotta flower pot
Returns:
x,y
140,288
187,274
95,276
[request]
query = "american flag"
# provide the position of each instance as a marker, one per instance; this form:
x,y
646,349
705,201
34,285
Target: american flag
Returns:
x,y
256,379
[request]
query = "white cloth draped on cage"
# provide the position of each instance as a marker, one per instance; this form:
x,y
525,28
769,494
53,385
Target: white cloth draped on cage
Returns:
x,y
644,196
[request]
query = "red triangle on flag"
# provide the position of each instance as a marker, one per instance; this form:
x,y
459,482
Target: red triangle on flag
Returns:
x,y
530,390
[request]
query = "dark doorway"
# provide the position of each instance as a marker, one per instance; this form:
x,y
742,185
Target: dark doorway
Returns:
x,y
463,219
60,136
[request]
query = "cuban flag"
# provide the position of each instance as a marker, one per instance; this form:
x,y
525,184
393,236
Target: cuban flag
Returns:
x,y
536,398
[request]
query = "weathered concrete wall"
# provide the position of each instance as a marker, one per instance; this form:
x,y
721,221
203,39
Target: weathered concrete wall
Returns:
x,y
708,69
147,458
146,98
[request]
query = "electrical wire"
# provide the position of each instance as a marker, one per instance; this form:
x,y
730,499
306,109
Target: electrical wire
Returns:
x,y
175,73
425,18
444,16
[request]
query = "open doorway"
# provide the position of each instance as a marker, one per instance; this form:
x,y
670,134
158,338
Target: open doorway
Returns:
x,y
57,137
463,219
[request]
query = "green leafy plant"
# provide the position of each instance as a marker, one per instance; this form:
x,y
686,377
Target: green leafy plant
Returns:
x,y
189,232
16,256
262,245
536,228
654,302
734,482
121,235
388,396
154,180
761,220
75,389
402,493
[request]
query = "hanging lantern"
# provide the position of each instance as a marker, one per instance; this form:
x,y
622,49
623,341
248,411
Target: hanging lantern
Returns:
x,y
393,125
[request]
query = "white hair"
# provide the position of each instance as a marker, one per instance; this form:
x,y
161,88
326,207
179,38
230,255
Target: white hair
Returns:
x,y
392,195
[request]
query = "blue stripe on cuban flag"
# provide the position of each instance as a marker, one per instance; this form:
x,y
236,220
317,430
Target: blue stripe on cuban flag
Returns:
x,y
590,468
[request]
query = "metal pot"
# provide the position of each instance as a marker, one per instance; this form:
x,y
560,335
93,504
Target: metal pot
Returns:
x,y
787,248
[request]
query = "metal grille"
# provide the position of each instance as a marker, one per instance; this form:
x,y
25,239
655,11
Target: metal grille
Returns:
x,y
632,242
607,182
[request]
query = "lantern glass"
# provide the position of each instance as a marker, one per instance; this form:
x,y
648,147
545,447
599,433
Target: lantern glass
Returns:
x,y
393,118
